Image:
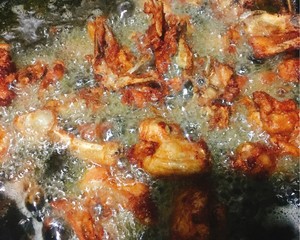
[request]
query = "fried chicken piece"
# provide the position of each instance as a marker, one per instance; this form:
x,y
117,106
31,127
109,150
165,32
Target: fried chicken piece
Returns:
x,y
218,93
197,215
140,95
7,69
113,193
31,73
41,125
81,218
220,84
280,120
113,64
166,37
103,153
35,126
289,70
255,159
271,34
163,151
190,216
53,75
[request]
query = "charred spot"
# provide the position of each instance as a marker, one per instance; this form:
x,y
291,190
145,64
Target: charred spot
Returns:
x,y
251,163
154,85
257,61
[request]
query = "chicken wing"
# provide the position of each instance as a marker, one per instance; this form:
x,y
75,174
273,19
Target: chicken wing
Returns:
x,y
163,151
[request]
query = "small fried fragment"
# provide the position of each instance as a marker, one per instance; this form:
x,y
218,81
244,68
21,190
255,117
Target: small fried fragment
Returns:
x,y
255,159
218,93
163,151
7,69
289,70
31,73
53,75
4,143
140,95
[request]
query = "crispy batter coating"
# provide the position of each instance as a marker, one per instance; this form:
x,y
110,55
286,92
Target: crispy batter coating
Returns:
x,y
41,125
166,37
140,95
197,215
103,153
7,68
127,193
280,120
190,216
53,75
289,70
31,73
271,34
114,64
80,217
218,93
163,151
255,159
4,143
220,84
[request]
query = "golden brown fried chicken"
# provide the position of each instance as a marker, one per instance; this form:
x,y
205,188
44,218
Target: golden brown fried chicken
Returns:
x,y
166,37
41,125
197,215
140,95
190,216
163,151
221,84
81,217
289,70
7,69
31,73
53,75
219,92
255,159
113,193
114,64
271,34
103,153
280,120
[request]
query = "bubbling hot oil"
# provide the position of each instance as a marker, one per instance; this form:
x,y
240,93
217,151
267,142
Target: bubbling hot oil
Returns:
x,y
57,172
